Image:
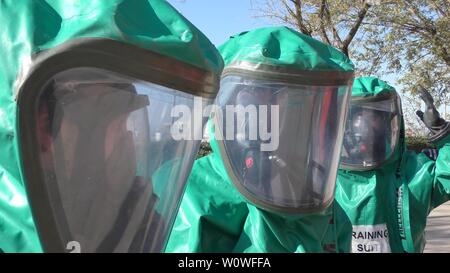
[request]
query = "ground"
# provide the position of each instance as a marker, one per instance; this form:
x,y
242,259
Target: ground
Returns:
x,y
438,230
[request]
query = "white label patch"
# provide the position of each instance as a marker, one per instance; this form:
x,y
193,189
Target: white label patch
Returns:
x,y
370,239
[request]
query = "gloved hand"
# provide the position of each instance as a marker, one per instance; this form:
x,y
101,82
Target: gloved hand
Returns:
x,y
432,119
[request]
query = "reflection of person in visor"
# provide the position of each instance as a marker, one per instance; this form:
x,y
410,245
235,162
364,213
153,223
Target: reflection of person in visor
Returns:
x,y
87,159
250,196
384,193
255,162
274,174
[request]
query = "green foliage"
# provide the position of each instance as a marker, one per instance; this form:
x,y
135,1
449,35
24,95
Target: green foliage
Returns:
x,y
408,39
417,143
411,39
205,149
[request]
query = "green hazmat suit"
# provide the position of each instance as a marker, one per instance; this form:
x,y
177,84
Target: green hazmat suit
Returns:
x,y
385,209
32,30
217,214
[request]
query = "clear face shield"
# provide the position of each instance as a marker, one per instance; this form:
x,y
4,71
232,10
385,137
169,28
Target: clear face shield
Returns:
x,y
371,133
281,145
113,172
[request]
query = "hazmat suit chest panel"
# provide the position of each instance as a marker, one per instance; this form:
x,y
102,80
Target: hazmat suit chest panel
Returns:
x,y
214,217
365,212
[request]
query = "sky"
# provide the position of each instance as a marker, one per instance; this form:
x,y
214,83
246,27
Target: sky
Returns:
x,y
220,19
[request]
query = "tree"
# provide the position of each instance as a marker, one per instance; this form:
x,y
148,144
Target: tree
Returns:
x,y
408,39
331,21
411,39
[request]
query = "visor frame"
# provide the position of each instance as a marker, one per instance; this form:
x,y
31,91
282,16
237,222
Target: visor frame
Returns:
x,y
286,74
100,53
279,75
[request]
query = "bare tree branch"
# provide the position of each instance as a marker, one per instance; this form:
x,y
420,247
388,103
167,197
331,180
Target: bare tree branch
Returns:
x,y
439,9
336,36
431,30
299,17
323,32
361,15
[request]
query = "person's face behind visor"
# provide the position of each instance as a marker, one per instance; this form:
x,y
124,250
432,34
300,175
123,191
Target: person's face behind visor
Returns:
x,y
371,134
368,132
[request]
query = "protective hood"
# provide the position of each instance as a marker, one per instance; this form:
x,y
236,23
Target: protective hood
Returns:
x,y
33,30
301,88
366,87
283,46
